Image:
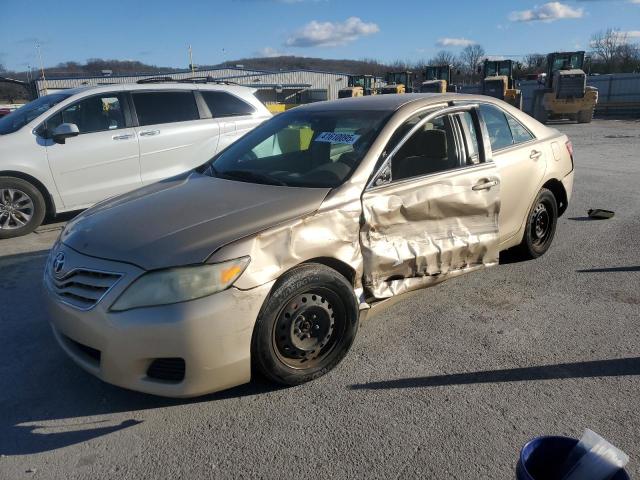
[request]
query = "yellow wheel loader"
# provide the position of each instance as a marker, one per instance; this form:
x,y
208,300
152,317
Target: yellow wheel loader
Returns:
x,y
398,82
565,94
437,80
499,82
358,86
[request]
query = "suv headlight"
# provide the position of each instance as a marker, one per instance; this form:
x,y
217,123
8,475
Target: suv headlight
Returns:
x,y
176,285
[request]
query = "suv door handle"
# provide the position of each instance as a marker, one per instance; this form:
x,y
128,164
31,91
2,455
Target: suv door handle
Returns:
x,y
123,137
149,133
485,184
535,154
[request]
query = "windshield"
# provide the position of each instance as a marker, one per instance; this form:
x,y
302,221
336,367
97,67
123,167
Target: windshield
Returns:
x,y
301,149
23,115
567,62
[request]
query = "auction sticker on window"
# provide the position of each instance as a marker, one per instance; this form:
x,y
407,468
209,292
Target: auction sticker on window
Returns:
x,y
341,138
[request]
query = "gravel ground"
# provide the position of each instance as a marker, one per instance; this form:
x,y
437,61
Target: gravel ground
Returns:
x,y
449,382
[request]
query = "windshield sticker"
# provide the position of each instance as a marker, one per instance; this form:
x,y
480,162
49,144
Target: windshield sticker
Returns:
x,y
341,138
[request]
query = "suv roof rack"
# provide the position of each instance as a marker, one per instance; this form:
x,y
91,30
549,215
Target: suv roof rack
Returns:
x,y
207,79
156,80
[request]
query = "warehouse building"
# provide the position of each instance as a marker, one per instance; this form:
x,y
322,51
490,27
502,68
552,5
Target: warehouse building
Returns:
x,y
289,86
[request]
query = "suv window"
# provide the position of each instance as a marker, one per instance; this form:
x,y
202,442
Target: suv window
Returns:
x,y
431,149
222,104
497,126
93,114
154,108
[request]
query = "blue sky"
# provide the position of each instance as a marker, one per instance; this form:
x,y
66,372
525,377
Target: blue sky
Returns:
x,y
160,31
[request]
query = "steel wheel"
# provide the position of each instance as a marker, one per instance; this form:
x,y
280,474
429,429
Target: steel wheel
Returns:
x,y
307,328
16,209
540,224
306,325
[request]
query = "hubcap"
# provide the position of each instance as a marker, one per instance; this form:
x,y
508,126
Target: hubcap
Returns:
x,y
16,208
541,222
303,332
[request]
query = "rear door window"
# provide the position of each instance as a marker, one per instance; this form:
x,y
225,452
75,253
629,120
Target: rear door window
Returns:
x,y
223,104
155,108
497,126
519,132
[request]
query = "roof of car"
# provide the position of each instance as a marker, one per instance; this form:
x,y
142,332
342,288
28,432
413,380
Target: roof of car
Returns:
x,y
389,103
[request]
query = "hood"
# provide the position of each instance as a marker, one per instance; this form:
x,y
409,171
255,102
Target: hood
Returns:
x,y
183,220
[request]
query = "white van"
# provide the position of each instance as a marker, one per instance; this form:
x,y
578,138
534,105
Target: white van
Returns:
x,y
73,148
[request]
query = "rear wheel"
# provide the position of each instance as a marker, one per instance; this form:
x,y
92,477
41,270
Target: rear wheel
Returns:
x,y
585,116
22,207
306,326
541,225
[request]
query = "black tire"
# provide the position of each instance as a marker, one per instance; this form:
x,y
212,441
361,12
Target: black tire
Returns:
x,y
306,326
20,202
541,225
585,116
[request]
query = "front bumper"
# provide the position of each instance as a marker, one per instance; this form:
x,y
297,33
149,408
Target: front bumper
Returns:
x,y
212,335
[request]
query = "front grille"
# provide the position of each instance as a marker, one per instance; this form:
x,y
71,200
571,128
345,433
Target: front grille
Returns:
x,y
167,369
571,86
84,350
83,288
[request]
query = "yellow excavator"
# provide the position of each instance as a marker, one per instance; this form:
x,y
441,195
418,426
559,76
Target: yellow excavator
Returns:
x,y
565,93
499,82
359,86
398,82
437,80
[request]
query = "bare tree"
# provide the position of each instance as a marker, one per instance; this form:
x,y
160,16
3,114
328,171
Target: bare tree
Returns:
x,y
444,57
470,59
534,62
607,46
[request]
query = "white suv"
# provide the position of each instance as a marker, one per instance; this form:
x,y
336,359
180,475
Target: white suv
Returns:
x,y
70,149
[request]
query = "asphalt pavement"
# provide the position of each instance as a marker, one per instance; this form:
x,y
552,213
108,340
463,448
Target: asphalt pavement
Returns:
x,y
447,383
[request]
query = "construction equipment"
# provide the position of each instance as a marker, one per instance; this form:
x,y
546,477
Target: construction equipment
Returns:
x,y
358,86
437,80
398,82
565,93
499,82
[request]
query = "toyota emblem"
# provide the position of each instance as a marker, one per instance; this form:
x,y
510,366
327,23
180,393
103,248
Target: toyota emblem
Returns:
x,y
58,264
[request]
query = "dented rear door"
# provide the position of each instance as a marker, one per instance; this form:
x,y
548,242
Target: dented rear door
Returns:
x,y
424,226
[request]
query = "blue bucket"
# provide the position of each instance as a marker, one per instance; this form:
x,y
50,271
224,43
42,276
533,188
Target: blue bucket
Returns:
x,y
542,458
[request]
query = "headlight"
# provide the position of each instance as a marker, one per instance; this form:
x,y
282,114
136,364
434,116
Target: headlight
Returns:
x,y
180,284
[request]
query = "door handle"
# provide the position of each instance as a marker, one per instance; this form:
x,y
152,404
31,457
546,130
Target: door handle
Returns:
x,y
535,154
485,184
123,137
149,133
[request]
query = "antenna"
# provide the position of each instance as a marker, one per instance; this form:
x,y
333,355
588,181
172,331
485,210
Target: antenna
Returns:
x,y
44,80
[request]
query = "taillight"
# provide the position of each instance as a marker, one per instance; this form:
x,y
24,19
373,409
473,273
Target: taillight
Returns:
x,y
570,150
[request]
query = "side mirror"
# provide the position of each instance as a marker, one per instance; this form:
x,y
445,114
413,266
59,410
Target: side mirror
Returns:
x,y
64,131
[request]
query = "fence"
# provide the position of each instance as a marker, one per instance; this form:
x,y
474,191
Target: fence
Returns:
x,y
618,94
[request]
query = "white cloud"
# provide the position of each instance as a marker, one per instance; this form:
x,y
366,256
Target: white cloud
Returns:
x,y
270,52
455,42
636,2
632,33
548,12
331,34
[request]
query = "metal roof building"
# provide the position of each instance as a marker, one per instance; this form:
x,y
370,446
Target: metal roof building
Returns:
x,y
310,85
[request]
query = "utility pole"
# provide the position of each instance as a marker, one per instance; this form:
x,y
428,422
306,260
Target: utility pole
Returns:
x,y
44,80
191,65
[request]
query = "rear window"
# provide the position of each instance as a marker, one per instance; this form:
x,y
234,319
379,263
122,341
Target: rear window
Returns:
x,y
155,108
223,104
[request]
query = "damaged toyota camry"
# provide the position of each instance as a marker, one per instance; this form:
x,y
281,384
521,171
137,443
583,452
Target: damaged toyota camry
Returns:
x,y
265,259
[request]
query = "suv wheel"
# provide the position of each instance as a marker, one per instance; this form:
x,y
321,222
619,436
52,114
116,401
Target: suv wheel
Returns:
x,y
541,225
306,326
22,207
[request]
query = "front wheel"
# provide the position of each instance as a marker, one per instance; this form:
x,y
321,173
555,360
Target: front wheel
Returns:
x,y
306,325
541,225
22,207
585,116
